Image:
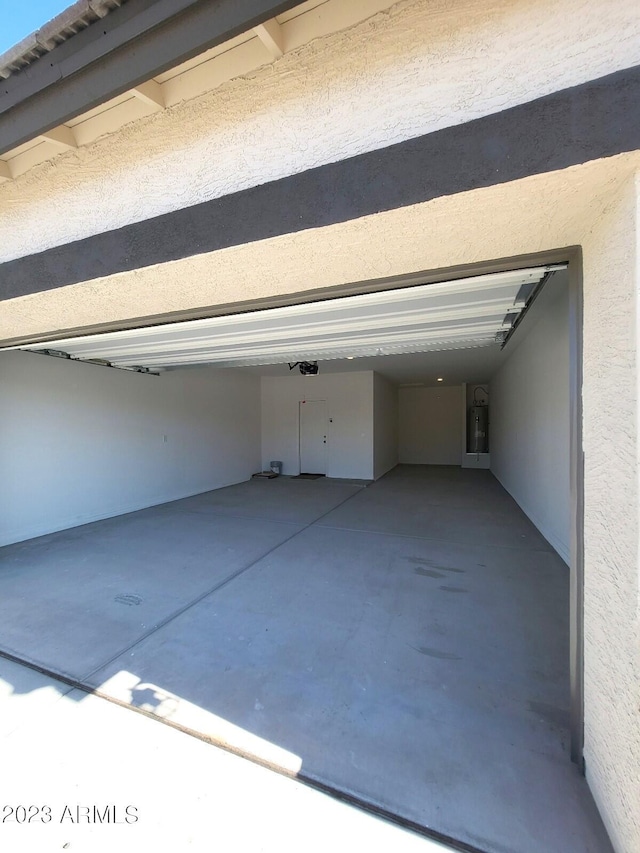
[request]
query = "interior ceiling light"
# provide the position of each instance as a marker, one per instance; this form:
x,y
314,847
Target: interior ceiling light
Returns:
x,y
478,311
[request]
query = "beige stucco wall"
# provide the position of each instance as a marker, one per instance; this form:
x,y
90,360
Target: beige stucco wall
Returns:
x,y
612,627
418,67
536,213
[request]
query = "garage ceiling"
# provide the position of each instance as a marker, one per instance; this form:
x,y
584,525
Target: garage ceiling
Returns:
x,y
478,311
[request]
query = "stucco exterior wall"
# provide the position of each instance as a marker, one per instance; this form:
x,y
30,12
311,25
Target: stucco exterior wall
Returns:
x,y
420,66
611,615
536,213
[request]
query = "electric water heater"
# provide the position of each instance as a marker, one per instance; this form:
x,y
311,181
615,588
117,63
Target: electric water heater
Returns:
x,y
478,431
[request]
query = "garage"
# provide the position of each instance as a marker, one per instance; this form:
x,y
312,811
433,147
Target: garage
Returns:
x,y
318,413
390,618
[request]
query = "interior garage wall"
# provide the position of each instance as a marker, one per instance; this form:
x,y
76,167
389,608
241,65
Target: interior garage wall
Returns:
x,y
529,414
385,425
349,399
430,421
80,442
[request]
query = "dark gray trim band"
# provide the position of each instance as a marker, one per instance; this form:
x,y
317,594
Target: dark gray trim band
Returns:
x,y
587,122
139,40
303,297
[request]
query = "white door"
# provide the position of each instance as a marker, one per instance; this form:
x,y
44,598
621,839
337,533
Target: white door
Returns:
x,y
313,436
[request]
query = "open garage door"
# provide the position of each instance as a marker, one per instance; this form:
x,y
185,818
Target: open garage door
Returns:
x,y
478,311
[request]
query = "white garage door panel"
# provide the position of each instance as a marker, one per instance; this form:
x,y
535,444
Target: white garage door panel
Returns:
x,y
470,312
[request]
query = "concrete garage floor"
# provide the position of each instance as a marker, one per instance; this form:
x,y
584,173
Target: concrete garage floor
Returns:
x,y
406,643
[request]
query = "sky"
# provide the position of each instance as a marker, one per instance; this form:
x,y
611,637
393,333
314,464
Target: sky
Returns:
x,y
18,19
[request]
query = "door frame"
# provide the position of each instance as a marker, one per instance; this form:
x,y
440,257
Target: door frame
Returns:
x,y
326,444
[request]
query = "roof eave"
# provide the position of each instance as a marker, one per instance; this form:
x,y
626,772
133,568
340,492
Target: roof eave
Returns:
x,y
135,42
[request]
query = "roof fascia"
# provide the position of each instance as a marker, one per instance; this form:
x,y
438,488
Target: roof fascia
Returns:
x,y
134,43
